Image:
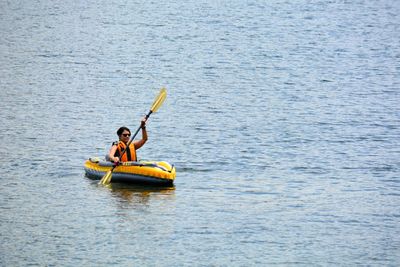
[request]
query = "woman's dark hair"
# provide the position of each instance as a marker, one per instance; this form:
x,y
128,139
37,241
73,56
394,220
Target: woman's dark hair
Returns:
x,y
122,129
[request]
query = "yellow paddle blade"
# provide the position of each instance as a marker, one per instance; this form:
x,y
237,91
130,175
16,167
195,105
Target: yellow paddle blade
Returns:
x,y
106,178
159,100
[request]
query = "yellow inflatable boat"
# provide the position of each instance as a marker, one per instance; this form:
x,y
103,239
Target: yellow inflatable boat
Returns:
x,y
138,172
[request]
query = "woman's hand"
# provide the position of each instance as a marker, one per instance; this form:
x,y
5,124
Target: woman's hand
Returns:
x,y
143,123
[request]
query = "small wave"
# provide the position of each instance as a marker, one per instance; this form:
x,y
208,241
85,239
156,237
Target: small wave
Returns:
x,y
193,170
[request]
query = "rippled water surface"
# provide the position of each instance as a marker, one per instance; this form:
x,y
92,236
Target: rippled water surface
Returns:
x,y
282,119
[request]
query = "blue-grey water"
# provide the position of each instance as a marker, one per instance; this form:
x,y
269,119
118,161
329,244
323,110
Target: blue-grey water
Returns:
x,y
282,118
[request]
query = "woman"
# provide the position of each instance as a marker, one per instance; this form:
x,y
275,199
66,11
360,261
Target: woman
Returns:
x,y
118,147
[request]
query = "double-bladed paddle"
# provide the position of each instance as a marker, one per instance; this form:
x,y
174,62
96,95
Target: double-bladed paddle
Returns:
x,y
156,105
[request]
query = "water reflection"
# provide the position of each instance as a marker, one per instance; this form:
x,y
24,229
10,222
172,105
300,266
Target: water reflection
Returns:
x,y
138,194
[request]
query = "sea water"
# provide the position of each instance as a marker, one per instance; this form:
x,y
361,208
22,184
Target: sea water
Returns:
x,y
282,119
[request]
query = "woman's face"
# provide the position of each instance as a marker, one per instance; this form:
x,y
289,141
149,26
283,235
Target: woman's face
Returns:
x,y
124,137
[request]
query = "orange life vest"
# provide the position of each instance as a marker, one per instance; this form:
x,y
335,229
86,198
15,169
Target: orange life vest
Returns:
x,y
130,153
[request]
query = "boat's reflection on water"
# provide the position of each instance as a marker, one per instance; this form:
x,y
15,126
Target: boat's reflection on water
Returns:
x,y
140,193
